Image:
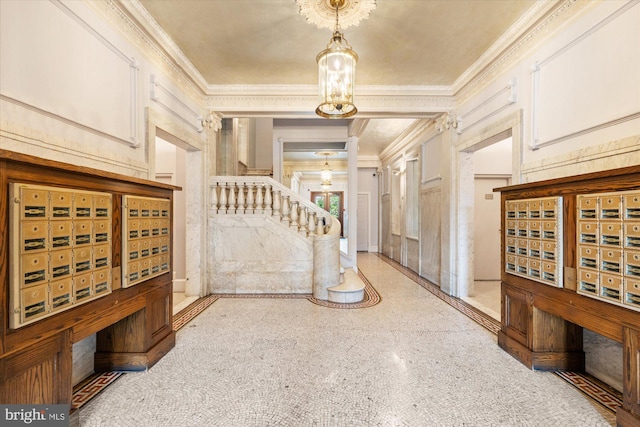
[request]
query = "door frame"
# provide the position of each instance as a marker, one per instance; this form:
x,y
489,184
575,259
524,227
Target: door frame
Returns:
x,y
462,235
327,196
368,196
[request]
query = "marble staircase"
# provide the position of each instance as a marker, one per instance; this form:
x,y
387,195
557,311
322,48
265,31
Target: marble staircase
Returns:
x,y
265,238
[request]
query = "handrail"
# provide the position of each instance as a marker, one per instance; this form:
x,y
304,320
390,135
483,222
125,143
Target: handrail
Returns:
x,y
270,200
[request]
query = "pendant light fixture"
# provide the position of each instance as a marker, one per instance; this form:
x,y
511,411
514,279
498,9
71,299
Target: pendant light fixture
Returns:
x,y
336,74
325,174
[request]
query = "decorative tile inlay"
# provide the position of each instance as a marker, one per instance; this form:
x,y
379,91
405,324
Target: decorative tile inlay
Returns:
x,y
91,387
479,317
610,399
371,297
192,310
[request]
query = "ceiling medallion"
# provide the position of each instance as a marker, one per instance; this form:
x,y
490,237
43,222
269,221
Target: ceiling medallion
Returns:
x,y
323,14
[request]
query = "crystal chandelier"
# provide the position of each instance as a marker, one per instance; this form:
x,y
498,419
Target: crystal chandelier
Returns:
x,y
336,74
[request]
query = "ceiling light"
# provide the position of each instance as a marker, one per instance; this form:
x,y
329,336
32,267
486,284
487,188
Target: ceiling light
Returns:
x,y
325,173
336,74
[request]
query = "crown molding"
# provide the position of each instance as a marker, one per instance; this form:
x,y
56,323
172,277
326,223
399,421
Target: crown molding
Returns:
x,y
315,165
301,101
528,31
406,138
133,21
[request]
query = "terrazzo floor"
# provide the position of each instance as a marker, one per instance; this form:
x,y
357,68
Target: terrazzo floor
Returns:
x,y
410,360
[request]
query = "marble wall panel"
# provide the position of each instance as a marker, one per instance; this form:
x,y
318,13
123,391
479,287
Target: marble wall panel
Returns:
x,y
413,254
82,354
430,232
257,254
222,277
602,358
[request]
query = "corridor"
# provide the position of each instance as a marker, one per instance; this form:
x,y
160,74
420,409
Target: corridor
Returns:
x,y
410,360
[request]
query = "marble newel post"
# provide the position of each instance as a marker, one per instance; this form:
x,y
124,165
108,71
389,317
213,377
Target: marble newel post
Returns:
x,y
326,259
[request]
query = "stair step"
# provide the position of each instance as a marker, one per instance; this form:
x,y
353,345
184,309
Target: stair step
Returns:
x,y
350,291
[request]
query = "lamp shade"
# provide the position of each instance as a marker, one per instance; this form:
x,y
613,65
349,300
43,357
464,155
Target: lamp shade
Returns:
x,y
336,79
325,176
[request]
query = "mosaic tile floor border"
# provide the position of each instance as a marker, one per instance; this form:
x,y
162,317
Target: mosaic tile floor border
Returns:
x,y
187,314
479,317
607,397
601,393
91,387
371,297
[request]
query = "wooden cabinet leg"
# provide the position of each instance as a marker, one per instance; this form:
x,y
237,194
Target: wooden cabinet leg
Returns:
x,y
139,340
536,338
629,414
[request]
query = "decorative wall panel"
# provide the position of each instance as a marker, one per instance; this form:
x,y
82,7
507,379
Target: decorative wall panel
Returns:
x,y
533,239
60,253
608,247
145,238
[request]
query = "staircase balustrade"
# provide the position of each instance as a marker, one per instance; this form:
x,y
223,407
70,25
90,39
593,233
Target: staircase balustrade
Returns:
x,y
241,195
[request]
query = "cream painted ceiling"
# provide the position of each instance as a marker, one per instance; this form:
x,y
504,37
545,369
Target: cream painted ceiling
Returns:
x,y
403,42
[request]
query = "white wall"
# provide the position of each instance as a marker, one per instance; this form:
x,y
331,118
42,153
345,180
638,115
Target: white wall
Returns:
x,y
586,78
171,167
495,159
264,143
368,183
75,90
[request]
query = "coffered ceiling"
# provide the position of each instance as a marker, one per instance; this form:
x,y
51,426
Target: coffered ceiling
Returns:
x,y
402,44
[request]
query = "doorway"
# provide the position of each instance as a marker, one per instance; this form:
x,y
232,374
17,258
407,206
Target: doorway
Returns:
x,y
492,166
363,222
170,168
332,202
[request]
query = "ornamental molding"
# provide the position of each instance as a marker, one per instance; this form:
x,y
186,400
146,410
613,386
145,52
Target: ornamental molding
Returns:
x,y
407,138
301,105
133,21
515,43
298,100
323,15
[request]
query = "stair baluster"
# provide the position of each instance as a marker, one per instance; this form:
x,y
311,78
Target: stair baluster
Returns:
x,y
250,199
241,201
312,223
214,198
303,221
268,201
294,215
259,199
320,230
223,199
232,198
286,209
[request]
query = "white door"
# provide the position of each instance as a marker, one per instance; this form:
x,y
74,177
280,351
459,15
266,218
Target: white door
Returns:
x,y
487,228
363,222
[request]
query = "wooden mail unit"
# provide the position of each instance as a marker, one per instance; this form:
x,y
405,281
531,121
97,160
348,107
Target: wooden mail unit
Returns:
x,y
62,249
591,257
